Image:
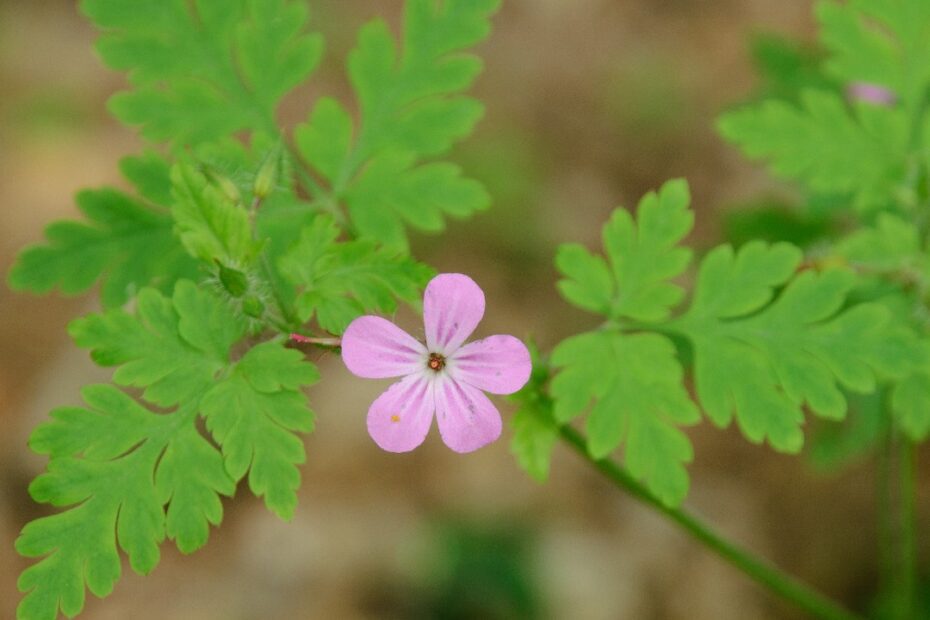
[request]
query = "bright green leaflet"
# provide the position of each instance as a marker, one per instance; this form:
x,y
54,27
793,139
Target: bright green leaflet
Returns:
x,y
126,243
636,385
410,110
338,281
796,350
206,69
123,464
641,258
120,497
825,145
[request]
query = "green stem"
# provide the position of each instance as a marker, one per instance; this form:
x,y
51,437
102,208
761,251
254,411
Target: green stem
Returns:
x,y
291,322
907,480
778,582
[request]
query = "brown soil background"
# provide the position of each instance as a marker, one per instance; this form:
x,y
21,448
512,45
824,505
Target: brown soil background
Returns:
x,y
590,103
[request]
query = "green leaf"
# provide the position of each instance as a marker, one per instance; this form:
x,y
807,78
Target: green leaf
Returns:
x,y
825,145
392,193
146,475
326,139
125,243
797,350
210,225
633,384
340,281
404,98
120,464
252,413
409,110
207,69
173,348
643,256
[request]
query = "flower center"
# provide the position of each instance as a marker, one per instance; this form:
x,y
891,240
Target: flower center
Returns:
x,y
436,362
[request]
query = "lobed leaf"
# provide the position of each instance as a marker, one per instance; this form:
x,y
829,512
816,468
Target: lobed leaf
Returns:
x,y
125,243
146,475
796,351
409,110
642,257
633,386
825,145
120,464
173,348
207,69
338,281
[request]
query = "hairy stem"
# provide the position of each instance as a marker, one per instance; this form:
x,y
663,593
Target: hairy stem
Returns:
x,y
764,573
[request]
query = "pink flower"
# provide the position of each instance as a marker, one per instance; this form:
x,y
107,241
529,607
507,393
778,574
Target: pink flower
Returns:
x,y
871,93
442,377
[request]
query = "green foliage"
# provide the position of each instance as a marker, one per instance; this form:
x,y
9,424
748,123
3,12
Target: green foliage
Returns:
x,y
788,353
768,341
126,243
204,70
639,400
786,67
773,220
210,224
147,475
251,414
535,430
409,110
339,281
225,249
859,149
826,145
642,257
883,43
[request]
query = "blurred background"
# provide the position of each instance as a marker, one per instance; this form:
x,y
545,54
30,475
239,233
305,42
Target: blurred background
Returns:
x,y
590,104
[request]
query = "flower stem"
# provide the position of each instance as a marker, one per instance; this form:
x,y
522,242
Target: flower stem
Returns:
x,y
764,573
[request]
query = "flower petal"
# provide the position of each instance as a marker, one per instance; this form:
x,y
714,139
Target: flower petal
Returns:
x,y
496,364
400,418
375,348
452,307
467,419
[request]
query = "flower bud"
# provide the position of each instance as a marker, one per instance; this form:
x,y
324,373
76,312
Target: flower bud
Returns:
x,y
252,306
225,185
234,281
267,177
